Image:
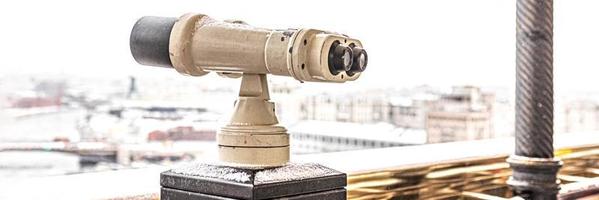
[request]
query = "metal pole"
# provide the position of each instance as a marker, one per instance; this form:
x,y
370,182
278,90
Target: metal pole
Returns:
x,y
534,167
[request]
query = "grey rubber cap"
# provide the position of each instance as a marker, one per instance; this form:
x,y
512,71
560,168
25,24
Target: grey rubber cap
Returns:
x,y
149,40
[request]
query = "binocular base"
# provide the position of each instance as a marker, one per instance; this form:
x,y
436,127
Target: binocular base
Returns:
x,y
203,181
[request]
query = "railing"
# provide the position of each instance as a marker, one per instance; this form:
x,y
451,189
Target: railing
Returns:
x,y
469,170
459,170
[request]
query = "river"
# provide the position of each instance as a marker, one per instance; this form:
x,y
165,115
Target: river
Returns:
x,y
44,125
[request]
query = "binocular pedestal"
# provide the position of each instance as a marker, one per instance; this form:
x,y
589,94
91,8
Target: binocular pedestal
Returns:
x,y
252,137
219,182
254,156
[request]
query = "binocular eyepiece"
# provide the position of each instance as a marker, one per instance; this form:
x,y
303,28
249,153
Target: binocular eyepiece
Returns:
x,y
349,59
196,44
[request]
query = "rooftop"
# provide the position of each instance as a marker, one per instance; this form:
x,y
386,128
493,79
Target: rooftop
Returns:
x,y
374,132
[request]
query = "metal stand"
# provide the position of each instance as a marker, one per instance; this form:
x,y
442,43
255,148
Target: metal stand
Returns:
x,y
252,137
254,156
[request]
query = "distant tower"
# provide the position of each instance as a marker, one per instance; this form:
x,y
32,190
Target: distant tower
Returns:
x,y
132,88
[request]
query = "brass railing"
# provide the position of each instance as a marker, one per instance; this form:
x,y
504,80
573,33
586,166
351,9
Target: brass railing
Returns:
x,y
475,178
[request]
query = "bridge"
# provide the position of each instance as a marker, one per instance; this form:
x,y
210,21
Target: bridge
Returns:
x,y
95,152
88,152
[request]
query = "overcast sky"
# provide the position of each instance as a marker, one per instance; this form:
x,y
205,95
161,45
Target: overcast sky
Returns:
x,y
410,42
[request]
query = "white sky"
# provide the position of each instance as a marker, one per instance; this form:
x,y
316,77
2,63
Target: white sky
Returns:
x,y
438,42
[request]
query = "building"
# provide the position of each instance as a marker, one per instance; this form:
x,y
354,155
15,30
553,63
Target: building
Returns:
x,y
411,111
328,136
578,116
368,107
464,114
457,126
287,102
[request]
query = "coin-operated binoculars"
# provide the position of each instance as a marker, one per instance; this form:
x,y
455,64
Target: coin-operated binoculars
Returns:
x,y
252,142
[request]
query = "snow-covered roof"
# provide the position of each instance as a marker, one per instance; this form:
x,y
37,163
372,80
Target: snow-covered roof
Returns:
x,y
401,101
409,99
377,132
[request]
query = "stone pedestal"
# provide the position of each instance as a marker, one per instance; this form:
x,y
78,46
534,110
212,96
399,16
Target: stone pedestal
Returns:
x,y
203,181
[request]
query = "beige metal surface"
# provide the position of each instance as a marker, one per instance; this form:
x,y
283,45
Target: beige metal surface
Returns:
x,y
252,137
257,137
180,44
199,44
254,157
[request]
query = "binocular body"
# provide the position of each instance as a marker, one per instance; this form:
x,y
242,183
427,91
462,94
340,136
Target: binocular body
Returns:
x,y
196,44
